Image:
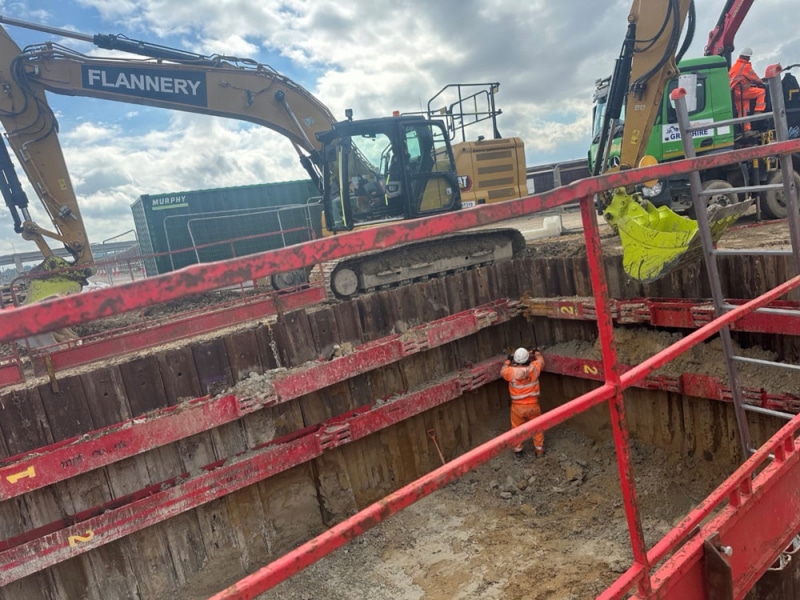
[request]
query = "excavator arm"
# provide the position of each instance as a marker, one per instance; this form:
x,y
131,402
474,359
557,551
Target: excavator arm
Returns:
x,y
654,240
225,87
32,132
212,85
720,39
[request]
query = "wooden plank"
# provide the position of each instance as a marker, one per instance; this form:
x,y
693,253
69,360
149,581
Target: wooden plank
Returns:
x,y
294,339
581,277
361,389
268,347
325,404
348,322
67,412
457,287
383,302
334,488
523,274
486,281
23,421
105,396
71,578
218,536
386,382
407,305
563,275
143,385
291,508
324,330
373,321
243,353
184,544
33,587
368,469
213,368
247,520
539,277
179,375
436,306
151,563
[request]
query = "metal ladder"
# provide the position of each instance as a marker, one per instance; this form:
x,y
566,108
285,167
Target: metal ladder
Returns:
x,y
710,253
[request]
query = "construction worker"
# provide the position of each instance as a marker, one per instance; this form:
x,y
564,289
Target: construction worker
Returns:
x,y
522,375
746,86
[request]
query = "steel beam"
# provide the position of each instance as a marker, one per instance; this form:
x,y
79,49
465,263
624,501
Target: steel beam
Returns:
x,y
690,384
758,516
10,370
667,312
149,334
71,310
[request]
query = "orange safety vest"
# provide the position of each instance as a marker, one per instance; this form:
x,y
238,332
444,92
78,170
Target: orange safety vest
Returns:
x,y
742,76
523,381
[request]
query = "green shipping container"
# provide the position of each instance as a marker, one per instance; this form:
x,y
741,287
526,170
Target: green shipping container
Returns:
x,y
184,228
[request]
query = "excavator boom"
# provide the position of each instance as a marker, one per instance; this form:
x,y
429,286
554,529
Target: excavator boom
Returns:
x,y
654,240
31,131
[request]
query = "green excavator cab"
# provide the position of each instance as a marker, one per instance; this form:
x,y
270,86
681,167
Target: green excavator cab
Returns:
x,y
656,240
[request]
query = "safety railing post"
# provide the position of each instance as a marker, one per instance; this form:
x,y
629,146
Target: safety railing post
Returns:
x,y
605,326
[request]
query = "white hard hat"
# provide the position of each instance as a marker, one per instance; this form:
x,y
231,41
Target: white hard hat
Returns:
x,y
521,356
748,52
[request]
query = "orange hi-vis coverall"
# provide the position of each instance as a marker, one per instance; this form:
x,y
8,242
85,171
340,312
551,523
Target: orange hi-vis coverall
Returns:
x,y
523,385
746,86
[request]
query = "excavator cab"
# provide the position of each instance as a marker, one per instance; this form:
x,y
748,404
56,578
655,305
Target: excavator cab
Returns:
x,y
378,170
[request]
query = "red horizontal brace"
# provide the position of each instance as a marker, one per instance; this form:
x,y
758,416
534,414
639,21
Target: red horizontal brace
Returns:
x,y
760,519
71,310
23,473
145,335
666,312
222,478
690,384
10,371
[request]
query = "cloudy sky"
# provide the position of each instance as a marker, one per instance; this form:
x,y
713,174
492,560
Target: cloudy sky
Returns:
x,y
374,56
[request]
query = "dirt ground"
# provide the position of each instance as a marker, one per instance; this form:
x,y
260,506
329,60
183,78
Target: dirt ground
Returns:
x,y
551,528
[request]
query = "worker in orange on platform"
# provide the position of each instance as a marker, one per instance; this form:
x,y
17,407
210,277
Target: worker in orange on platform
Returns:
x,y
746,86
522,374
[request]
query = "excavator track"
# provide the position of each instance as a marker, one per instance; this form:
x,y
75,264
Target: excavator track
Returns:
x,y
384,269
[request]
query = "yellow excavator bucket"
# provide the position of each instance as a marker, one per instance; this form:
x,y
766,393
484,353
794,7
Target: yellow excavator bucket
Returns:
x,y
657,240
49,285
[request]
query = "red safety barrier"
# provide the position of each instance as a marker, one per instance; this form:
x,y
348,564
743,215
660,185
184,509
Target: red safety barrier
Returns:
x,y
667,312
639,574
775,481
75,309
